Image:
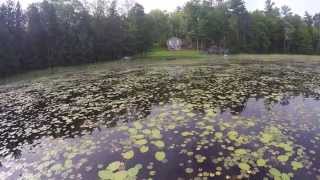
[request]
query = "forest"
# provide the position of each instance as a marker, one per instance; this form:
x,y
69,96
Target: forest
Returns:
x,y
69,32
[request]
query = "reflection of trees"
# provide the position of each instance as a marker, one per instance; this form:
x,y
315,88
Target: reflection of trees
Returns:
x,y
285,100
16,154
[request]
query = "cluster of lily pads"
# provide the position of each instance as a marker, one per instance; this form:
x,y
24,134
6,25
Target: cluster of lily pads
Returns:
x,y
201,122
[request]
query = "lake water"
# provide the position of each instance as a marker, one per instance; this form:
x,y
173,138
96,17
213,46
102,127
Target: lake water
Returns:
x,y
197,122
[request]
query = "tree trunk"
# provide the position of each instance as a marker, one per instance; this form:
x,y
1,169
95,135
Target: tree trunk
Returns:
x,y
197,44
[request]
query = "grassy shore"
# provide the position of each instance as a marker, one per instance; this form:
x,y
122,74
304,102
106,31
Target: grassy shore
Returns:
x,y
162,54
160,57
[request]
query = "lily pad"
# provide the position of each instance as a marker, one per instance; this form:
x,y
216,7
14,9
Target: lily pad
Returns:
x,y
283,158
296,165
105,174
266,138
275,172
120,175
160,156
128,155
232,135
141,142
189,170
114,166
261,162
159,144
244,166
240,152
144,149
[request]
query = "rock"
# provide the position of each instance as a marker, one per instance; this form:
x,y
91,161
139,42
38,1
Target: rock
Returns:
x,y
127,58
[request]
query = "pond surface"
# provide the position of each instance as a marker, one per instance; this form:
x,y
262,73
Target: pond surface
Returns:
x,y
257,121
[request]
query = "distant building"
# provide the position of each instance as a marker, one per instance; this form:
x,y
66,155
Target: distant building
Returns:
x,y
174,44
219,2
213,3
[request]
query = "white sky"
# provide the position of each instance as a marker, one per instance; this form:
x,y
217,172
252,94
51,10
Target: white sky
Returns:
x,y
298,6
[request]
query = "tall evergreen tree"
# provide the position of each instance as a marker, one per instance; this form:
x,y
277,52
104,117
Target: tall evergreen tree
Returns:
x,y
316,19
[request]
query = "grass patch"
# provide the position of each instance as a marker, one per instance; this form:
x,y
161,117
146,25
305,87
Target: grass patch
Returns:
x,y
163,54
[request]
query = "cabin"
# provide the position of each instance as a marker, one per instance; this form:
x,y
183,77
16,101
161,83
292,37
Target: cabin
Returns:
x,y
174,44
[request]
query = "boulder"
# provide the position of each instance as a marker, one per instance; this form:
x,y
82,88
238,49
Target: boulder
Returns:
x,y
127,58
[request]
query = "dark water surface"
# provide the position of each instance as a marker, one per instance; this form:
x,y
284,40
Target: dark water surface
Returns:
x,y
258,121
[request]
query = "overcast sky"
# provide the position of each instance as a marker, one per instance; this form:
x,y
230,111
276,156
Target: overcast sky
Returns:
x,y
298,6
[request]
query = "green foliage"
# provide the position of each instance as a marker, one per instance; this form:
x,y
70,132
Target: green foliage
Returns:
x,y
165,54
55,33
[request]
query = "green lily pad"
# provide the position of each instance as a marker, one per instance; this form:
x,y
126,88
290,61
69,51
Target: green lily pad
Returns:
x,y
240,152
144,149
120,175
160,156
146,131
138,125
232,135
159,144
285,176
114,166
105,174
296,165
283,158
141,142
128,155
155,133
287,147
275,172
186,133
211,113
218,135
133,172
244,166
261,162
266,138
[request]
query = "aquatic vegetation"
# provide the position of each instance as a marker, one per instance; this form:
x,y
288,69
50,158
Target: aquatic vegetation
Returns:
x,y
114,166
275,172
261,162
233,135
144,149
240,152
159,144
160,156
283,158
141,142
296,165
207,121
128,155
244,166
113,172
200,158
189,170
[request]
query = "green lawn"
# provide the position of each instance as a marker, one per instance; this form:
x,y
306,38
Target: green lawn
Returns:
x,y
160,54
187,55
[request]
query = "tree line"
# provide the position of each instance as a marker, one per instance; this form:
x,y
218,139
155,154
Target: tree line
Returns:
x,y
229,25
67,32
